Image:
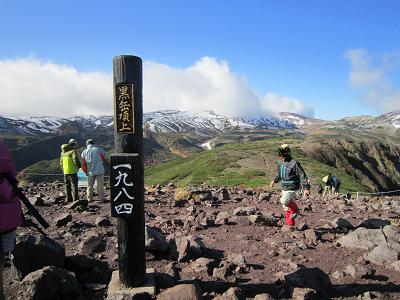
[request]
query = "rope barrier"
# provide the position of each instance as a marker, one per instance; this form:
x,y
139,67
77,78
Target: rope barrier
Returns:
x,y
226,180
377,193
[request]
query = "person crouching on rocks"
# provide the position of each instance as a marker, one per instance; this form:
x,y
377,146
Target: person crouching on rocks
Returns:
x,y
292,177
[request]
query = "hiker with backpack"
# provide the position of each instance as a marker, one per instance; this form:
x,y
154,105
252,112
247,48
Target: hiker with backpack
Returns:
x,y
336,185
292,177
70,163
10,210
328,185
92,164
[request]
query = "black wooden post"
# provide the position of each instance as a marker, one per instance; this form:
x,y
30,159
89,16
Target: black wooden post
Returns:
x,y
128,138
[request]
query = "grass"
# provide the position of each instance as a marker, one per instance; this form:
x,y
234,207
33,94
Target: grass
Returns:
x,y
44,167
252,164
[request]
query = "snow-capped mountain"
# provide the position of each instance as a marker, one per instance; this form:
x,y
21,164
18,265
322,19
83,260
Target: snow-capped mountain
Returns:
x,y
177,121
180,121
44,125
160,121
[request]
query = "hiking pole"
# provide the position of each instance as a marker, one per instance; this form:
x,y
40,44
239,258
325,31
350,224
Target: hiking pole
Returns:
x,y
25,201
265,173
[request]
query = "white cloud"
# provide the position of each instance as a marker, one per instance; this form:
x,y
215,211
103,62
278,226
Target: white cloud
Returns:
x,y
278,103
373,78
31,86
362,73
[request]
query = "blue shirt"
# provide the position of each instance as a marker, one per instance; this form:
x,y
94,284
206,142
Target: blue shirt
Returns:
x,y
93,155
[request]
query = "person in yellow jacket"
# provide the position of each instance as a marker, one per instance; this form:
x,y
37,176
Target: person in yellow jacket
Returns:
x,y
70,163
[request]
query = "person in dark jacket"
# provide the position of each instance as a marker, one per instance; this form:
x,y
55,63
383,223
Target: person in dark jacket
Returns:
x,y
328,185
292,177
336,185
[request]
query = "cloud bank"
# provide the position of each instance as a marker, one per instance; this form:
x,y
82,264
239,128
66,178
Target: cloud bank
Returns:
x,y
30,86
373,78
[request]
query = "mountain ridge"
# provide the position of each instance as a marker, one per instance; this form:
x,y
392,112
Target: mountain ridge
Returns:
x,y
201,122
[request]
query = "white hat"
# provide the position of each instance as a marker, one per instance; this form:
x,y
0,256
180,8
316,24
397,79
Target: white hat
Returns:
x,y
72,142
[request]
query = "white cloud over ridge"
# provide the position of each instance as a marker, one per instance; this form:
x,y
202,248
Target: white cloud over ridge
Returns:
x,y
30,86
373,78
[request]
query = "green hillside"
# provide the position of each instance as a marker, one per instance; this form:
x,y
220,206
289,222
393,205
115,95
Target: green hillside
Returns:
x,y
249,163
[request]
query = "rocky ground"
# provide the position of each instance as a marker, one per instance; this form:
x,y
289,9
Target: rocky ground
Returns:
x,y
209,243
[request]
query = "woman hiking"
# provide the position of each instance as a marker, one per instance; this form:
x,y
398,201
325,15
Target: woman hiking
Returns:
x,y
292,177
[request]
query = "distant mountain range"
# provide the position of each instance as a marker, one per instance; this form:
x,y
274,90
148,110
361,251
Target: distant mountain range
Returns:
x,y
181,121
365,148
160,121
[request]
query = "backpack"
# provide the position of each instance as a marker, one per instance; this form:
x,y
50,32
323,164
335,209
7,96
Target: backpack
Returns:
x,y
10,207
289,178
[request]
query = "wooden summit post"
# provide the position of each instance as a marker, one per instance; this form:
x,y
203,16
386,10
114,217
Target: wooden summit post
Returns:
x,y
127,170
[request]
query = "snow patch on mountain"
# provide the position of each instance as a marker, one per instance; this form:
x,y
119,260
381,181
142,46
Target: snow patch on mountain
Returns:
x,y
159,121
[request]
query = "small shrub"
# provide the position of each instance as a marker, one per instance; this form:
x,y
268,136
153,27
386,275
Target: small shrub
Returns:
x,y
182,194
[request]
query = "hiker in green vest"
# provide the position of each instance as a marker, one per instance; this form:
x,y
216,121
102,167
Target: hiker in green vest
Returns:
x,y
70,164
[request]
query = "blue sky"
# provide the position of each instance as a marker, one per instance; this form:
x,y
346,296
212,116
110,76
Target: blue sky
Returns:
x,y
294,49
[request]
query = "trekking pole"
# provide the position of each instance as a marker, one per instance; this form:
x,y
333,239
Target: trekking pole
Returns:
x,y
265,173
25,201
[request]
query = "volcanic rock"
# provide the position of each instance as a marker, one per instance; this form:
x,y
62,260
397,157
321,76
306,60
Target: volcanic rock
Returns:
x,y
34,252
382,255
155,241
93,243
182,292
63,220
50,283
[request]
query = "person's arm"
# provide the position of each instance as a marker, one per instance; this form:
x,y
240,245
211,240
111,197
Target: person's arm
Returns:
x,y
303,178
277,178
75,159
6,166
104,156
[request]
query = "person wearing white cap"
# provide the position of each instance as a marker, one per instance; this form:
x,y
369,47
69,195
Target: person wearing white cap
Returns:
x,y
291,176
70,163
92,164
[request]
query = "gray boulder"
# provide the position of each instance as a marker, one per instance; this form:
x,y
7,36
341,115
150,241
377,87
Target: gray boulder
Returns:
x,y
155,241
382,255
93,243
183,248
224,273
204,264
245,211
304,294
363,238
263,220
392,232
182,292
359,271
63,220
33,252
50,283
263,297
103,221
233,293
395,266
222,217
